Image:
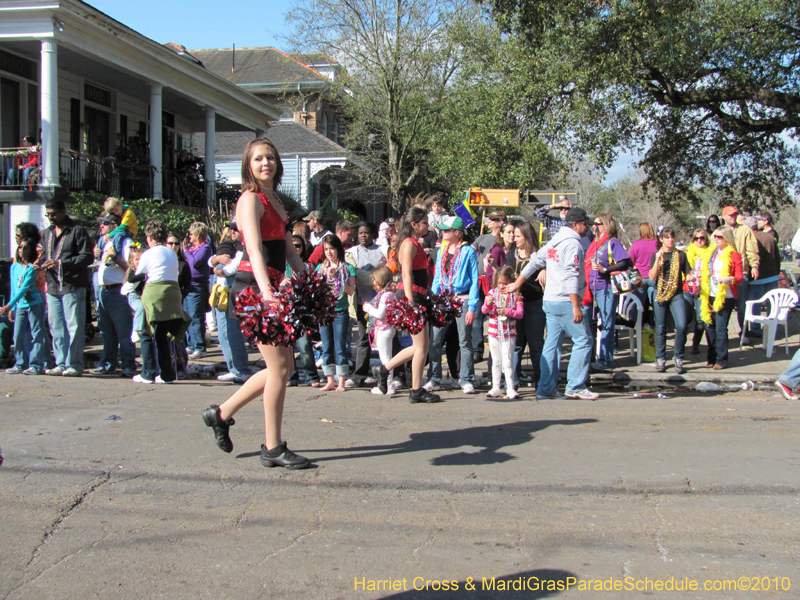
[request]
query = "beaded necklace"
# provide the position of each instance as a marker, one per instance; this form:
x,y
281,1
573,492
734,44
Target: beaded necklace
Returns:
x,y
520,263
338,280
669,285
56,255
449,275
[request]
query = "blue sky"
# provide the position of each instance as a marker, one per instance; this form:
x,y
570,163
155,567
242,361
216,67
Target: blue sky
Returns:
x,y
222,23
202,23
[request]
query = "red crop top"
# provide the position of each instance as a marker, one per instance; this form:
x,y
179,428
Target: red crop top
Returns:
x,y
272,227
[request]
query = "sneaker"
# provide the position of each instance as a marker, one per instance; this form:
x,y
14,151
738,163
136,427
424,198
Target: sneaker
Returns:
x,y
512,394
226,377
494,393
70,372
370,381
422,396
583,394
432,387
394,386
127,373
140,379
198,354
14,371
350,384
661,365
786,391
382,375
679,366
468,388
212,418
240,379
54,371
135,337
159,380
32,371
599,366
102,371
281,456
745,341
377,391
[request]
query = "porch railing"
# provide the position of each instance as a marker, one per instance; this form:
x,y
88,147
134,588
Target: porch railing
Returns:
x,y
106,176
20,167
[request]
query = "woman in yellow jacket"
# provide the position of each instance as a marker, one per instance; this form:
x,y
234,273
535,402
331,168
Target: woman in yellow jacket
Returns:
x,y
697,253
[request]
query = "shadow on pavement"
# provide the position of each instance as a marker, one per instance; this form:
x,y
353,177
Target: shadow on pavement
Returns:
x,y
491,439
539,583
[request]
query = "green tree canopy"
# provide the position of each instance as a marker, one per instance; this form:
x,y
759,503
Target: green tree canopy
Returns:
x,y
708,90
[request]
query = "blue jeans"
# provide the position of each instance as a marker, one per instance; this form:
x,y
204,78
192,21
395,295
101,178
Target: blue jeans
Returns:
x,y
757,291
607,309
559,323
466,373
717,333
195,305
477,329
335,355
307,360
29,338
232,343
67,317
677,306
744,295
530,333
791,376
114,313
135,302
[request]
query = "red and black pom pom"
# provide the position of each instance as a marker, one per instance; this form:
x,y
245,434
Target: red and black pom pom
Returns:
x,y
444,308
400,314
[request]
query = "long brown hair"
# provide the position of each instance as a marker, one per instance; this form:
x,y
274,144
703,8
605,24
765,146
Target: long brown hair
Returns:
x,y
249,183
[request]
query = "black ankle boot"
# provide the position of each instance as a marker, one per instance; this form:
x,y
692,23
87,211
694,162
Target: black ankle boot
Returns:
x,y
423,395
213,419
382,375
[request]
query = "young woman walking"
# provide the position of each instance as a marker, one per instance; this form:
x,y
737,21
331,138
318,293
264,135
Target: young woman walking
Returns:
x,y
263,221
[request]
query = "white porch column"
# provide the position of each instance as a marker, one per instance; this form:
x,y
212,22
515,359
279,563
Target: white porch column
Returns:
x,y
211,164
156,158
49,104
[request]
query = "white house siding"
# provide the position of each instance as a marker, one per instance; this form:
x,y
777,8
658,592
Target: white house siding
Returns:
x,y
291,175
231,170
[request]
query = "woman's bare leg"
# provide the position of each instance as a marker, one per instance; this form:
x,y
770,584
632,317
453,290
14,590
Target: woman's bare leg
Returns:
x,y
328,386
279,367
250,390
420,344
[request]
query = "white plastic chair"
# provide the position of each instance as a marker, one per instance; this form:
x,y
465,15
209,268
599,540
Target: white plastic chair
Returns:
x,y
627,303
781,302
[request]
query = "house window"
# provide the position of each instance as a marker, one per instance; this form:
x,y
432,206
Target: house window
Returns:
x,y
123,131
287,114
75,124
9,113
335,130
325,124
97,131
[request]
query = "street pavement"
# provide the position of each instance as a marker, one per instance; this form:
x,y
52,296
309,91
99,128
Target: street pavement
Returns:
x,y
112,489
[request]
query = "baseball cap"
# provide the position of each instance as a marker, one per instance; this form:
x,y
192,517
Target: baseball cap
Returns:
x,y
109,218
232,225
314,214
750,222
390,221
729,211
451,223
576,215
497,214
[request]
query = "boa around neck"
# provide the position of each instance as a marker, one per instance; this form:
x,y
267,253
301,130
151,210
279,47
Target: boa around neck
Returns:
x,y
705,284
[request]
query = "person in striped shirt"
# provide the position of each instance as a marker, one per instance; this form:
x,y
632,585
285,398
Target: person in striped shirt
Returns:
x,y
503,311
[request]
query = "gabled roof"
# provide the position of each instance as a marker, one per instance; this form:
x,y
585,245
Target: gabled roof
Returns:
x,y
290,138
259,66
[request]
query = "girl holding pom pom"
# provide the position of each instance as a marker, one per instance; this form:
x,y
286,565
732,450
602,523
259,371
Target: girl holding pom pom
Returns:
x,y
341,277
414,288
376,309
262,221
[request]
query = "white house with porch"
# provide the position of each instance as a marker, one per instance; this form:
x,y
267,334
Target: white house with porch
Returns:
x,y
83,86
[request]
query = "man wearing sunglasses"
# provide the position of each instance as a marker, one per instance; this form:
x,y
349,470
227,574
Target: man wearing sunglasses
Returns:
x,y
66,256
552,224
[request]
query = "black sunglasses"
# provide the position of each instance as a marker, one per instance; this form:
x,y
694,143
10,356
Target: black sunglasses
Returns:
x,y
699,237
597,224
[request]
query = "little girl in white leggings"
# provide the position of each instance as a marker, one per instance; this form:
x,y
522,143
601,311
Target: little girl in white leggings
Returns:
x,y
377,325
503,311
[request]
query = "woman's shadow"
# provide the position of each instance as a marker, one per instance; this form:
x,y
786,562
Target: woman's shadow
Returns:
x,y
490,439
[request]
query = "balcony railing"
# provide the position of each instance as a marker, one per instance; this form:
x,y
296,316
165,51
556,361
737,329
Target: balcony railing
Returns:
x,y
21,167
106,176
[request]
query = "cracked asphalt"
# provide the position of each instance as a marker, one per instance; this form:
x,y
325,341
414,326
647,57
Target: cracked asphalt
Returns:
x,y
698,486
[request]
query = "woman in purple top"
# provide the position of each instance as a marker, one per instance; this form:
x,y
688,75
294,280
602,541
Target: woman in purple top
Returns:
x,y
642,250
197,253
498,254
606,255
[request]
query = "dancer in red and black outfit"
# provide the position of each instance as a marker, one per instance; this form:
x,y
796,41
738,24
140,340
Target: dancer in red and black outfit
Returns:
x,y
415,277
262,220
